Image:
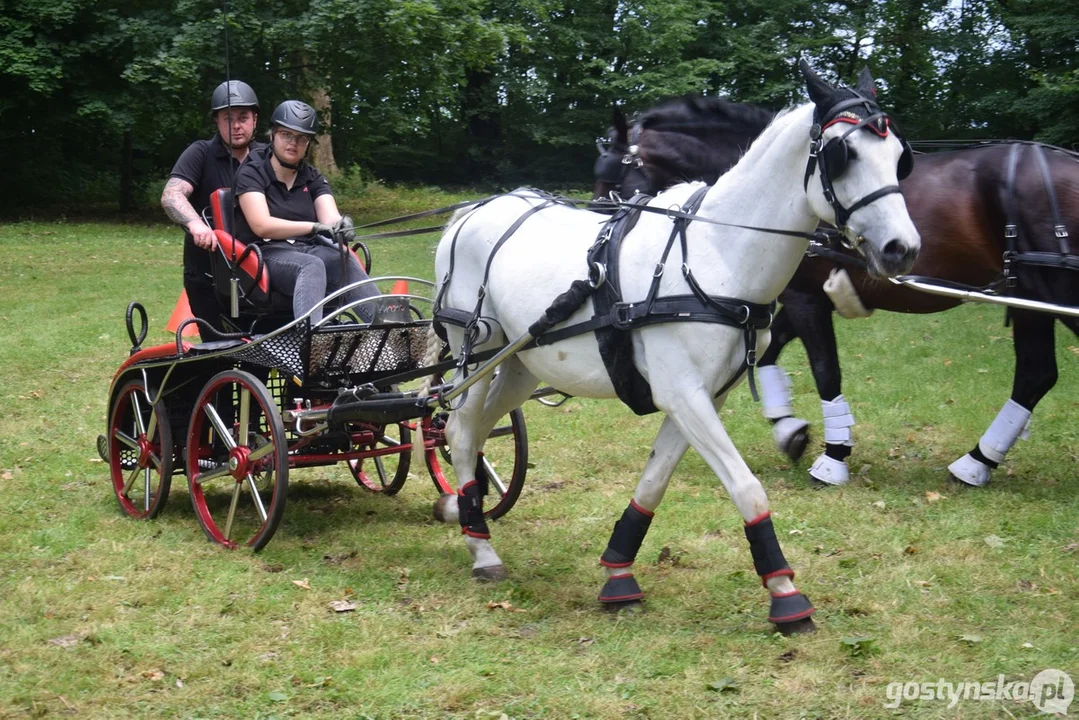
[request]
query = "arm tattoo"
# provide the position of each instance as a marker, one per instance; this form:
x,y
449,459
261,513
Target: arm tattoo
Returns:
x,y
174,201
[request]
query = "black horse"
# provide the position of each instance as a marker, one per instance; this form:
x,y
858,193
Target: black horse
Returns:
x,y
992,216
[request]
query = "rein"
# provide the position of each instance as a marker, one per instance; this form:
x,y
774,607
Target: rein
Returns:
x,y
417,216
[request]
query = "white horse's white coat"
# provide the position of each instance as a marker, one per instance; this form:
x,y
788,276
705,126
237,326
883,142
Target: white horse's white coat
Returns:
x,y
685,363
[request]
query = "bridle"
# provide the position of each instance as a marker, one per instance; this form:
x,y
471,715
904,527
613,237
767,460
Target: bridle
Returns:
x,y
616,162
833,157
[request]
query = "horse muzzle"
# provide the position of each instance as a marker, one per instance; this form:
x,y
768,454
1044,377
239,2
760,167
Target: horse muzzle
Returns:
x,y
891,258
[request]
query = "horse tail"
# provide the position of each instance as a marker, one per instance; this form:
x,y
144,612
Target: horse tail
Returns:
x,y
430,357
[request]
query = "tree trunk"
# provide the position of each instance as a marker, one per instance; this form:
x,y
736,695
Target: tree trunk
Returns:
x,y
323,153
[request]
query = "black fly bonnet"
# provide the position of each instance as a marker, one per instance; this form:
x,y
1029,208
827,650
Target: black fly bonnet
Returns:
x,y
833,157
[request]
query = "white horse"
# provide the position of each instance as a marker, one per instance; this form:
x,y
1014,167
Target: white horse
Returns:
x,y
686,363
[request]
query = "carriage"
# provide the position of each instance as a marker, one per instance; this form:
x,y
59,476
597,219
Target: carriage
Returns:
x,y
236,414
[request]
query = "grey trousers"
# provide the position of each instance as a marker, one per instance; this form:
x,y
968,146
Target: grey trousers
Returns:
x,y
309,271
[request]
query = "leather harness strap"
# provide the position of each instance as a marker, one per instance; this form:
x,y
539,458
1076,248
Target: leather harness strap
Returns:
x,y
1013,256
613,315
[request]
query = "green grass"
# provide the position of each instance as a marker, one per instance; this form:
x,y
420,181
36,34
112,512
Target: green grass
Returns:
x,y
162,624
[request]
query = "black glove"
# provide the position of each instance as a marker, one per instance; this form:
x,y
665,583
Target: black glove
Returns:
x,y
321,229
343,230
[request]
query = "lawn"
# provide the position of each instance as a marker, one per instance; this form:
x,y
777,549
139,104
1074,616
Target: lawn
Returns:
x,y
915,579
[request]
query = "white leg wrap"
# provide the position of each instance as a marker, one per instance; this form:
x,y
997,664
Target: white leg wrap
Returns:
x,y
1011,423
829,470
838,421
841,291
775,385
970,471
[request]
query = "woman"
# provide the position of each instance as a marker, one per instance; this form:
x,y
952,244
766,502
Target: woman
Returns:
x,y
285,204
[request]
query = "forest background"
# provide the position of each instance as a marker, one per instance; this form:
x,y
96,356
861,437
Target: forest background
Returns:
x,y
99,97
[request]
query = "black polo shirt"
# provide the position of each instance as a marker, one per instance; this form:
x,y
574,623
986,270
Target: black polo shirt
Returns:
x,y
207,165
297,203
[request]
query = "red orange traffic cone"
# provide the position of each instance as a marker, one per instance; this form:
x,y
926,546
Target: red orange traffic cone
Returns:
x,y
182,312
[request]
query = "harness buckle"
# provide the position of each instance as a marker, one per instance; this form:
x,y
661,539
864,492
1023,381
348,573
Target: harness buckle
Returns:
x,y
751,357
1009,257
745,320
620,316
1010,231
658,272
1060,231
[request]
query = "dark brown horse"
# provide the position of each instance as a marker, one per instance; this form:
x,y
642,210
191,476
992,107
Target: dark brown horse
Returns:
x,y
963,203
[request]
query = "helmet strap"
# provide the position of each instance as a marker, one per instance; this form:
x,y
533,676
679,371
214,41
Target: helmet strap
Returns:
x,y
283,163
281,160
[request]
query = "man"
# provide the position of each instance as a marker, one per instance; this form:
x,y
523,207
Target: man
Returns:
x,y
205,166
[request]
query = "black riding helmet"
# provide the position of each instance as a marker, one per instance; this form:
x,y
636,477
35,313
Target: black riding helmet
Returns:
x,y
234,93
296,115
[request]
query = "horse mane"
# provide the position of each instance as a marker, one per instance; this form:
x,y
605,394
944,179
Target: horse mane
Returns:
x,y
716,113
696,138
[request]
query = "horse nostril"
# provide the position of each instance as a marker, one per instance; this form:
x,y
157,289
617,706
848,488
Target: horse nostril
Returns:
x,y
896,250
898,254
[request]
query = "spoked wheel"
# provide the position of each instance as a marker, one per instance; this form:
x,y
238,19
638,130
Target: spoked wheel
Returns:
x,y
139,452
387,471
237,461
505,457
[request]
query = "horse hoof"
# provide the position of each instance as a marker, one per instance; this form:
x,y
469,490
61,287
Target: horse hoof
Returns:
x,y
792,436
491,573
969,471
805,626
445,509
829,471
628,607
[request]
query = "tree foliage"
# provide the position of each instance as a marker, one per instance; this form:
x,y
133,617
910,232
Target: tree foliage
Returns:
x,y
101,95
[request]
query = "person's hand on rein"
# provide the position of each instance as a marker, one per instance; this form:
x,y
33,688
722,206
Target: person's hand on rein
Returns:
x,y
321,229
343,230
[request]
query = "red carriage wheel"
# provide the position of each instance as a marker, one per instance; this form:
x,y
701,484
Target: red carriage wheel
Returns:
x,y
237,461
139,451
385,472
505,457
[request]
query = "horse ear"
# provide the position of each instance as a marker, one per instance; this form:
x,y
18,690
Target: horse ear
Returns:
x,y
866,84
820,92
618,119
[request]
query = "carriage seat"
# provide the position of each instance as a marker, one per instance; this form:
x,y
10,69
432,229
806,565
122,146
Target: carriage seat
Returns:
x,y
232,261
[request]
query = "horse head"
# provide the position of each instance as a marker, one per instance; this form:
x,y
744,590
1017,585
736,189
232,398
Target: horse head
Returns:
x,y
619,167
858,163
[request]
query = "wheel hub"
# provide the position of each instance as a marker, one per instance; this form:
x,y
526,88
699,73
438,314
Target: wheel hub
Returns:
x,y
239,463
146,450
